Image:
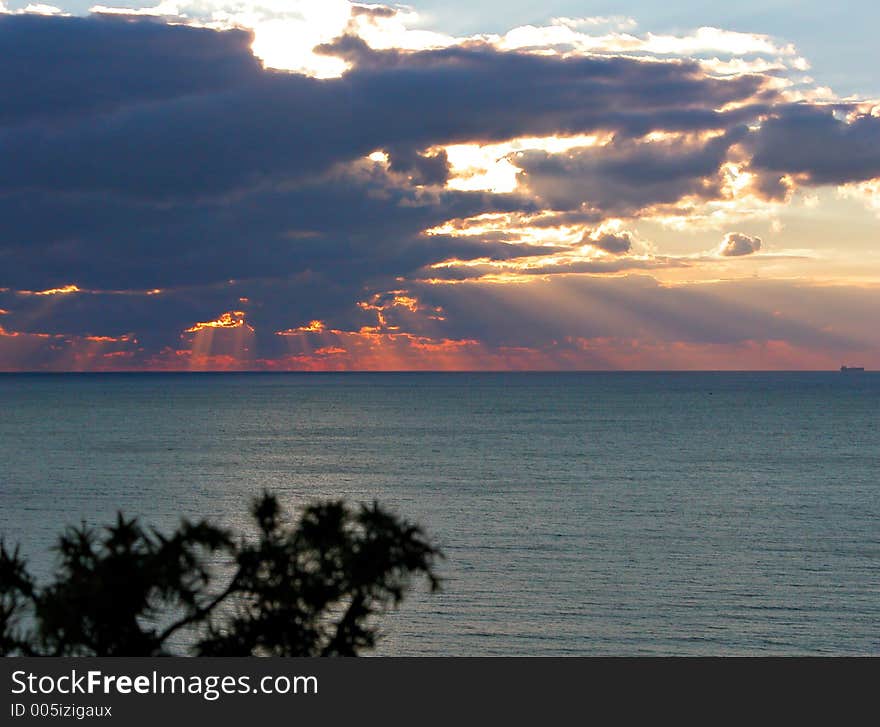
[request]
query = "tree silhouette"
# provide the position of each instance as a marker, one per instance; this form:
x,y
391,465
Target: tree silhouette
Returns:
x,y
309,589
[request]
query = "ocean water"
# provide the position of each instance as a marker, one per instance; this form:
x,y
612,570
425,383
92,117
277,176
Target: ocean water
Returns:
x,y
674,514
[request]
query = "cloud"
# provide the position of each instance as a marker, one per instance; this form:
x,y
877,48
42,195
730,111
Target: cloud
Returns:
x,y
736,244
519,269
236,127
817,145
374,11
556,322
167,157
420,168
867,192
629,175
615,244
167,200
702,41
58,71
288,32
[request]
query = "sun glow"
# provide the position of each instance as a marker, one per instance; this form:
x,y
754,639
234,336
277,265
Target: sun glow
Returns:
x,y
286,43
492,167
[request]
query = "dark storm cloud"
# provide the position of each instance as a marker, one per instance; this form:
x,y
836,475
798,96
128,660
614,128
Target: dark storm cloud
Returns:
x,y
814,142
158,320
626,176
259,127
136,155
55,69
421,168
180,161
475,92
353,228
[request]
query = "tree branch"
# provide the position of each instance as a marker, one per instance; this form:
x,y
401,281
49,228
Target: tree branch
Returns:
x,y
200,613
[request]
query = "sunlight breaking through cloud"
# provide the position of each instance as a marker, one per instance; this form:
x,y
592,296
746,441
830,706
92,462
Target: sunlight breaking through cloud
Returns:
x,y
349,188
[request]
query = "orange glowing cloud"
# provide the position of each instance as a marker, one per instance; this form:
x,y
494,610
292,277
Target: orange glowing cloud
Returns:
x,y
400,300
312,327
372,349
110,339
229,319
63,290
16,334
22,350
318,348
71,288
379,347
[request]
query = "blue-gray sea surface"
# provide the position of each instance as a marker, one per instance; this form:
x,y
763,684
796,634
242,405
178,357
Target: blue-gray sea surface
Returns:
x,y
680,514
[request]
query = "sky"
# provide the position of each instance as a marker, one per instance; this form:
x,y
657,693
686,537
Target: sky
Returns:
x,y
326,185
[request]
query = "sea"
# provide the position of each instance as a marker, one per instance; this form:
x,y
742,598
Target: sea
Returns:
x,y
579,513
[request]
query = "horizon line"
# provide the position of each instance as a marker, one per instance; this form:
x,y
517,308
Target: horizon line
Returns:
x,y
37,372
